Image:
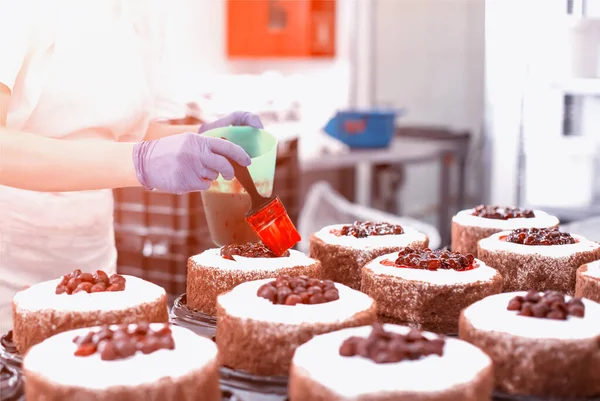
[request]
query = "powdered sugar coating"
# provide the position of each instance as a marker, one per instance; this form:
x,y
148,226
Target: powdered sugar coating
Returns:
x,y
490,314
212,258
356,376
437,277
242,302
541,220
593,269
494,243
42,296
373,242
191,353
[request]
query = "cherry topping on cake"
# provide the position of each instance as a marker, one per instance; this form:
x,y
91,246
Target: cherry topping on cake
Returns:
x,y
502,213
77,281
286,290
540,236
427,259
388,347
249,250
124,341
363,229
549,305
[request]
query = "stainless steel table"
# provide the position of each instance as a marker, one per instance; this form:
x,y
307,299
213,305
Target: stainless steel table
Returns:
x,y
403,151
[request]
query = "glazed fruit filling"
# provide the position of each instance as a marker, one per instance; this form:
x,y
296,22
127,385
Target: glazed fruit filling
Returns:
x,y
286,290
427,259
77,281
549,305
249,250
363,229
540,236
388,347
124,341
501,213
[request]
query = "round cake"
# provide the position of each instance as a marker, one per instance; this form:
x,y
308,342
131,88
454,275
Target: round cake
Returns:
x,y
80,300
137,362
471,225
219,270
344,249
428,289
542,344
389,363
587,283
537,258
260,323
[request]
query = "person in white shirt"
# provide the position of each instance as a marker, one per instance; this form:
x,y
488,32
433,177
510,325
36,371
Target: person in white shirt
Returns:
x,y
77,88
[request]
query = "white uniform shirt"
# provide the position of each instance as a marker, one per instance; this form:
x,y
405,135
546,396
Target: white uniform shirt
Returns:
x,y
77,70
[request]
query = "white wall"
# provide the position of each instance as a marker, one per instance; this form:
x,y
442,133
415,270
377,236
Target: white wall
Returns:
x,y
430,59
197,50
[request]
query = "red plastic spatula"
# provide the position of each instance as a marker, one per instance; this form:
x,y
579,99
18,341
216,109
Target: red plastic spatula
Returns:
x,y
267,216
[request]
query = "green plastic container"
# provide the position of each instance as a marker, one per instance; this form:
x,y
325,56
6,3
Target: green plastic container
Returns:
x,y
226,202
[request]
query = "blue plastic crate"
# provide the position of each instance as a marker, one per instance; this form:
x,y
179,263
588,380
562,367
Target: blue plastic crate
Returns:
x,y
364,128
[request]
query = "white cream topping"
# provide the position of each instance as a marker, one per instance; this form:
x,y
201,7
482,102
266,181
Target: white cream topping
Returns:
x,y
490,314
54,360
213,258
593,269
437,277
541,220
243,302
356,376
409,236
42,296
494,243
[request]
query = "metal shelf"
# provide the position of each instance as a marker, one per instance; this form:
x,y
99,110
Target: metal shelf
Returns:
x,y
580,86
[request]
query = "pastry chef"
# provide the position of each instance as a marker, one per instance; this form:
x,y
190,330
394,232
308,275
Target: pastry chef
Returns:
x,y
77,88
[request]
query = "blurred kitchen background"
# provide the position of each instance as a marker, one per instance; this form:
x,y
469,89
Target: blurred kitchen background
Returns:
x,y
439,105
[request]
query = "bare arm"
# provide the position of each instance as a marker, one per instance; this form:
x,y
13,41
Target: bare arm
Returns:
x,y
36,163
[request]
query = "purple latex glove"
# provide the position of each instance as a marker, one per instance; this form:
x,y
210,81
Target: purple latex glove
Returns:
x,y
237,118
186,162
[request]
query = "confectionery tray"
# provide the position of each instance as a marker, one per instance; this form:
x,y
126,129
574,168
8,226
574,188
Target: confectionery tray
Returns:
x,y
236,385
200,323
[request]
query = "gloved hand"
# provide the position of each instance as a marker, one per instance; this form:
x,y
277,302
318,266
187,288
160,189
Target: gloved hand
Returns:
x,y
190,162
237,118
185,162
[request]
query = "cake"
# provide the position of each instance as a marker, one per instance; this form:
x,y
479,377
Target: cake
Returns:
x,y
427,289
389,363
260,323
344,249
471,225
80,300
219,270
587,283
537,258
136,362
541,344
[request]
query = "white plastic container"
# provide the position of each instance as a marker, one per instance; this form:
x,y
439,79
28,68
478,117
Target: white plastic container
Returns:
x,y
560,172
584,44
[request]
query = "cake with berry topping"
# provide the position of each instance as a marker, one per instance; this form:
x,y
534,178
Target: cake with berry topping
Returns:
x,y
219,270
344,249
427,289
136,362
260,323
541,344
80,300
537,258
471,225
587,283
389,363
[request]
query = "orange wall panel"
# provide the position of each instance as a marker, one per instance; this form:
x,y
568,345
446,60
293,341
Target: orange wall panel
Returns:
x,y
280,28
